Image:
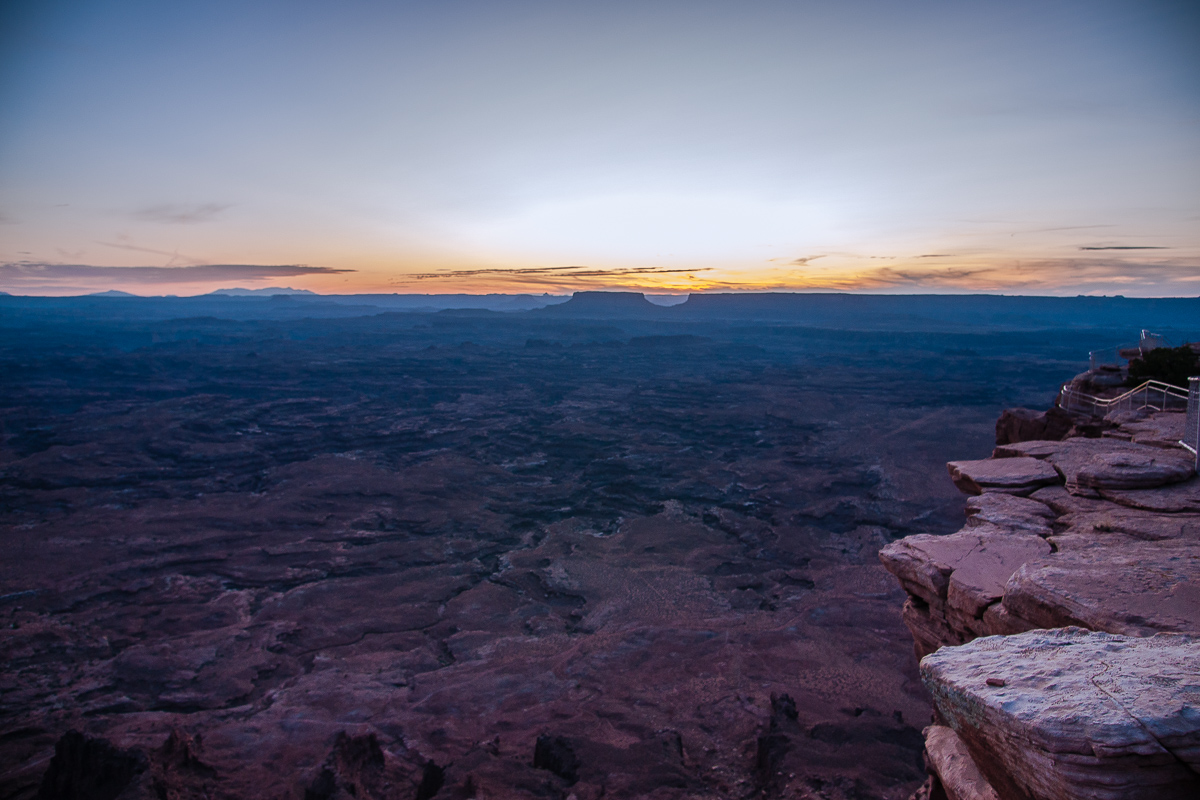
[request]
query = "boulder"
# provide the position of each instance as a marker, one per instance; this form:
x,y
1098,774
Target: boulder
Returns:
x,y
1010,475
956,770
1023,424
1067,714
1137,589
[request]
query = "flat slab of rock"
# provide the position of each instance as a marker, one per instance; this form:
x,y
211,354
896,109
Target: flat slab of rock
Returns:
x,y
954,766
967,570
1009,511
1067,714
1063,502
1090,466
1010,475
1178,497
1035,448
1140,470
1163,429
1145,525
1137,589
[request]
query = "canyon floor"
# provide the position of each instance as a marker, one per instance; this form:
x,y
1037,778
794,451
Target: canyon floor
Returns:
x,y
479,555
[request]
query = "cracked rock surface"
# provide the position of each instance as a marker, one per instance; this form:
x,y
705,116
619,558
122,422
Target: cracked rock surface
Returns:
x,y
1070,713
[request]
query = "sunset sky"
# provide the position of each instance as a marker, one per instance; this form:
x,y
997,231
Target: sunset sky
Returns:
x,y
1023,147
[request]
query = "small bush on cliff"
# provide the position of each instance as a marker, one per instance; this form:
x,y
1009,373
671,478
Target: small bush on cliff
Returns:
x,y
1173,365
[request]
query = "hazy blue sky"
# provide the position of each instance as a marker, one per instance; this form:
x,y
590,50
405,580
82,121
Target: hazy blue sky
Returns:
x,y
512,146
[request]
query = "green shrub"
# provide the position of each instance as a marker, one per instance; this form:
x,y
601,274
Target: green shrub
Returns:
x,y
1173,365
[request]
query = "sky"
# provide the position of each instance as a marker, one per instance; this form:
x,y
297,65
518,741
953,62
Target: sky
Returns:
x,y
1017,147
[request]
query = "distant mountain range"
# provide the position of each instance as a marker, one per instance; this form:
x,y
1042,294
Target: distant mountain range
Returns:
x,y
238,292
1176,317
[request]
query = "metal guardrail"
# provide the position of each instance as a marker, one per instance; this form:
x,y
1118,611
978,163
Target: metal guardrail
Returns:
x,y
1152,395
1115,356
1191,430
1109,357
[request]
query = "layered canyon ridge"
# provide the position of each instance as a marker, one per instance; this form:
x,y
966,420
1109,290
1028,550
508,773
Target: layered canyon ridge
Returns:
x,y
307,548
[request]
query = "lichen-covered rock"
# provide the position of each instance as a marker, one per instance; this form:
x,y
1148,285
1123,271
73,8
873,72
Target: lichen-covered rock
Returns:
x,y
1068,714
1010,475
1137,589
956,770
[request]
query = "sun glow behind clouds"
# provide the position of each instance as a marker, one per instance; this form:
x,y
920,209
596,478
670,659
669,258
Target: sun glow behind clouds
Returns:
x,y
669,146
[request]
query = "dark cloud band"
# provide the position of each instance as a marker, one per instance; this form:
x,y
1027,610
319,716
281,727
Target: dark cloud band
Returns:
x,y
16,274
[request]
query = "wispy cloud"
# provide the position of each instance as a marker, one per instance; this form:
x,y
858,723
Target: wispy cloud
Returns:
x,y
180,213
558,272
1126,247
22,275
1051,275
173,257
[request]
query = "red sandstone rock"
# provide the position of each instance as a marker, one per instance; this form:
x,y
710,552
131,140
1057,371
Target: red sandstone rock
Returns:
x,y
1068,714
1011,475
1023,424
955,768
1092,465
1161,429
1010,512
1171,499
1138,524
1135,589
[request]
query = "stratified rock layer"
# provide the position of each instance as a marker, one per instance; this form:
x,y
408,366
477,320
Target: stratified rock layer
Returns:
x,y
1138,588
1012,476
1068,714
1111,549
955,768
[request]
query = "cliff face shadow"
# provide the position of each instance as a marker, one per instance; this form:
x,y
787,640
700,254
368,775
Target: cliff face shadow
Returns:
x,y
472,554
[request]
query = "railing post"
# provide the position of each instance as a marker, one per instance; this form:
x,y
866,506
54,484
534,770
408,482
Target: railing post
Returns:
x,y
1191,433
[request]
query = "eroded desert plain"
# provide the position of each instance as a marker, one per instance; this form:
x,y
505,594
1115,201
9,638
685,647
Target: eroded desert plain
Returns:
x,y
478,554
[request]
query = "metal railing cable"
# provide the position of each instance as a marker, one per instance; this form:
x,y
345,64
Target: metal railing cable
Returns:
x,y
1151,395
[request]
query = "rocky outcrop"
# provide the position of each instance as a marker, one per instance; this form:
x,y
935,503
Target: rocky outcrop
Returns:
x,y
1135,588
1010,512
1038,612
1089,467
957,774
1019,476
1024,424
1069,713
953,580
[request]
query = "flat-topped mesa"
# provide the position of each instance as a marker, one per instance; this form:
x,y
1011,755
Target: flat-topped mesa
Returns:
x,y
1102,534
